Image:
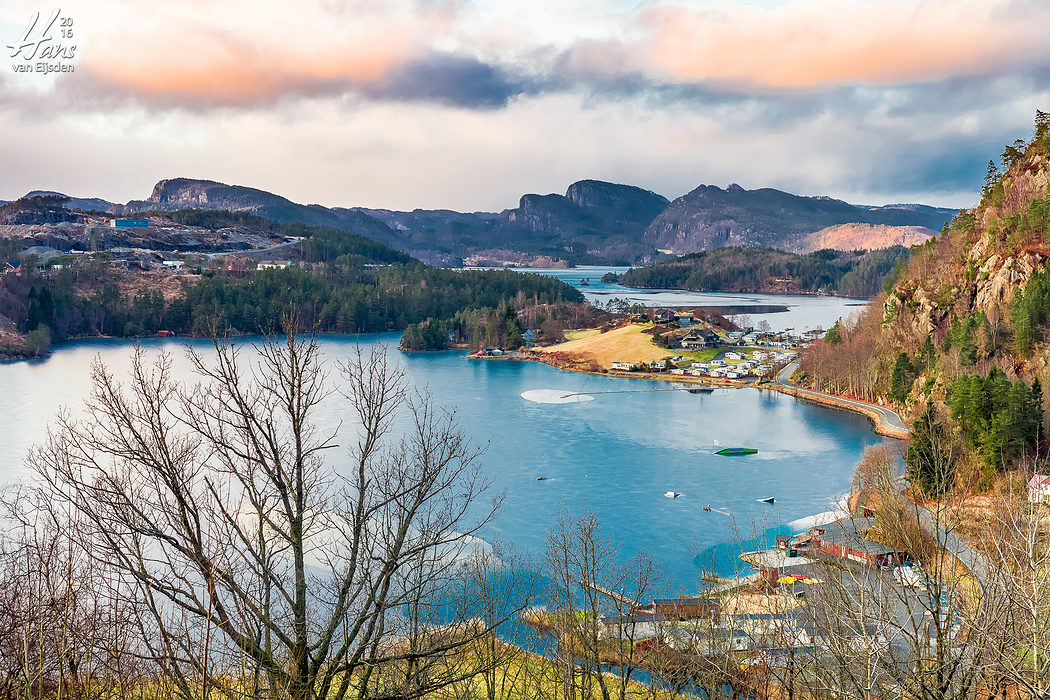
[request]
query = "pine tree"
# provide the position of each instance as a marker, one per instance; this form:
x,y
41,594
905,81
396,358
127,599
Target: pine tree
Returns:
x,y
833,336
901,379
929,458
1040,414
927,355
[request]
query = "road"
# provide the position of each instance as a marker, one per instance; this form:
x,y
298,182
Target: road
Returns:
x,y
889,418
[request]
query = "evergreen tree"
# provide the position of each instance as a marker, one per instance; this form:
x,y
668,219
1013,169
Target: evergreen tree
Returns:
x,y
901,379
929,458
833,336
927,354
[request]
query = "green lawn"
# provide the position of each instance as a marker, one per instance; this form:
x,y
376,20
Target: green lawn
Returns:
x,y
708,354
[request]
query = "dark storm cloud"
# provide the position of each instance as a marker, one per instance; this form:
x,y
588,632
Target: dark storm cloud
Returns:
x,y
450,79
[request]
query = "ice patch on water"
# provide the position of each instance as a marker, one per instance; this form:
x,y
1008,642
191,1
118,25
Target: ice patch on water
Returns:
x,y
837,512
554,396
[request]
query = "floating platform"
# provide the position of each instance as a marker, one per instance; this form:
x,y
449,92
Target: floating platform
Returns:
x,y
735,451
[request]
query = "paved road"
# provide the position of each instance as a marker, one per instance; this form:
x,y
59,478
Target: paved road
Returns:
x,y
978,564
889,418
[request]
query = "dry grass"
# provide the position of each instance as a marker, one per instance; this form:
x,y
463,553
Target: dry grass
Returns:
x,y
581,334
167,283
626,344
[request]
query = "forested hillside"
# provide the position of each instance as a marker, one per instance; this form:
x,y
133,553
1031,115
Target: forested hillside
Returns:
x,y
849,273
959,340
345,283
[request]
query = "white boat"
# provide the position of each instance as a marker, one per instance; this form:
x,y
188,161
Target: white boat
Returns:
x,y
766,500
672,494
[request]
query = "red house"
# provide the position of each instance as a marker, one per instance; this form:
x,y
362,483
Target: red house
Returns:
x,y
846,538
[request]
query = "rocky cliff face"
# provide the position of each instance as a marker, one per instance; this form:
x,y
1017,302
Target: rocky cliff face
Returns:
x,y
863,237
182,193
590,207
710,217
983,262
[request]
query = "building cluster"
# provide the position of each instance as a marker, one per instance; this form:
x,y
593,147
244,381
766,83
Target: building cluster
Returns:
x,y
733,364
774,617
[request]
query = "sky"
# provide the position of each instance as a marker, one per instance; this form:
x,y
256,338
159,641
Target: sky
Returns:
x,y
468,105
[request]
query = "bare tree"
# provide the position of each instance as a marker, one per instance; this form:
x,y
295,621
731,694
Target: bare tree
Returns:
x,y
931,631
255,566
1017,538
594,600
61,632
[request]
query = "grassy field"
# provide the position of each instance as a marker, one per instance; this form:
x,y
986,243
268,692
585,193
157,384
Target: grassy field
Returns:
x,y
580,335
524,676
691,356
627,344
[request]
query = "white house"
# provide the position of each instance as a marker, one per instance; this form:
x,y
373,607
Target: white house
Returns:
x,y
1039,489
623,366
173,264
274,264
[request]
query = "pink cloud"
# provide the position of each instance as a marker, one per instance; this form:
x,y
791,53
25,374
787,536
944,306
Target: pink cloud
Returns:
x,y
242,55
816,43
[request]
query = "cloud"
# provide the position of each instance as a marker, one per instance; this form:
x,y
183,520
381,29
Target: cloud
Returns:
x,y
408,103
815,43
449,79
481,56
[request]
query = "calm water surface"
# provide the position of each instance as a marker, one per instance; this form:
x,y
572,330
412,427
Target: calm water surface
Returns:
x,y
616,455
804,312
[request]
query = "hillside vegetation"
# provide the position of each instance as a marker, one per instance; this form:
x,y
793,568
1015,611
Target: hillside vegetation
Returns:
x,y
856,273
346,283
959,340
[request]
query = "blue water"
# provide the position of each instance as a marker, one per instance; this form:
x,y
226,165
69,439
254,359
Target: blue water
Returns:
x,y
615,456
804,311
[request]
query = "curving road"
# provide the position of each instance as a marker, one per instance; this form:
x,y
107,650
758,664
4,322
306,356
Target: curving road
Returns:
x,y
888,417
936,524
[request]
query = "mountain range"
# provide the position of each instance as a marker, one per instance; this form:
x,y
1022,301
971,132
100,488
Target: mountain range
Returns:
x,y
594,222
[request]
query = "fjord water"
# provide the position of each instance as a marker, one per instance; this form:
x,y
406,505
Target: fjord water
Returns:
x,y
616,455
803,311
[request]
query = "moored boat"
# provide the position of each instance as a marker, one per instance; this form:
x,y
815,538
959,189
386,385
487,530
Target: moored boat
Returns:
x,y
733,451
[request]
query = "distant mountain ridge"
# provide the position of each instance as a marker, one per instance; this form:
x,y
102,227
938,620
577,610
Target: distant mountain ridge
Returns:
x,y
710,217
594,222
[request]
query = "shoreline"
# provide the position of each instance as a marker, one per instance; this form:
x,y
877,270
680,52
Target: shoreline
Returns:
x,y
874,416
746,292
839,403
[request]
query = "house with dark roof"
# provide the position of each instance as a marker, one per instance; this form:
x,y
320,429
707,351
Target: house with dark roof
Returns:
x,y
846,538
701,338
682,608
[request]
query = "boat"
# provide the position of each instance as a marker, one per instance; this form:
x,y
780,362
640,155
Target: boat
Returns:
x,y
672,494
701,390
769,500
542,478
706,509
734,451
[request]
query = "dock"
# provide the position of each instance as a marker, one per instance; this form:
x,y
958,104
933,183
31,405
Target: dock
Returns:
x,y
607,593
